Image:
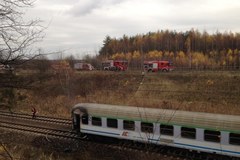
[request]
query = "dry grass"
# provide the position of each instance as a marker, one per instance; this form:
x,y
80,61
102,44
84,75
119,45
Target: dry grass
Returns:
x,y
216,92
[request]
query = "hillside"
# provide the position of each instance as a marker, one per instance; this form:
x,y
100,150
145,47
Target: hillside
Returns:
x,y
205,91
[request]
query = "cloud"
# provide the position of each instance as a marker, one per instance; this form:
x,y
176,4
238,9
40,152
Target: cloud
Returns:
x,y
85,7
82,25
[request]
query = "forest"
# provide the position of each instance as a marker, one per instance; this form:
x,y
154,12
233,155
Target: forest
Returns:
x,y
191,49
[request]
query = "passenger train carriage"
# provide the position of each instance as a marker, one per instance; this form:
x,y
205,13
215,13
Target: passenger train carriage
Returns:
x,y
206,132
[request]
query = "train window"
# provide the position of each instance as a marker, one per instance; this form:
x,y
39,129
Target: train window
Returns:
x,y
188,132
128,125
212,136
96,121
234,138
146,127
113,123
166,130
85,119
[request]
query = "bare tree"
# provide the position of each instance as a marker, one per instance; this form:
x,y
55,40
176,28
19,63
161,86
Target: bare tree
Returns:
x,y
16,34
16,37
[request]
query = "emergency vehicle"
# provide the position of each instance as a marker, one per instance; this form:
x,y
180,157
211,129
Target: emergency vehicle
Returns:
x,y
155,66
6,68
83,66
115,65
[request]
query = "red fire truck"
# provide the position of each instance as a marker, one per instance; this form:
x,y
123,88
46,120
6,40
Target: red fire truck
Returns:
x,y
115,65
154,66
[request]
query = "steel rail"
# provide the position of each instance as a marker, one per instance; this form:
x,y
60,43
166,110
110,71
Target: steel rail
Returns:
x,y
38,118
39,130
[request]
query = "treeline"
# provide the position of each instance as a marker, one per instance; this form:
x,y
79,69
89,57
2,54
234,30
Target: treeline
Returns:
x,y
187,49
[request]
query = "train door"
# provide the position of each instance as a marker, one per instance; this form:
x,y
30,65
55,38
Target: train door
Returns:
x,y
85,119
76,122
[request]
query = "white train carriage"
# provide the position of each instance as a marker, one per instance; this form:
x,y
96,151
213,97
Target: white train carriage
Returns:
x,y
215,133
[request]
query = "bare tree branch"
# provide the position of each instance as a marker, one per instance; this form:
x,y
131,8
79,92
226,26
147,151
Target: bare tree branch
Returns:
x,y
6,150
17,35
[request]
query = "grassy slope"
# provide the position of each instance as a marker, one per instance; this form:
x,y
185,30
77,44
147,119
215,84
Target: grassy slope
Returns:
x,y
217,92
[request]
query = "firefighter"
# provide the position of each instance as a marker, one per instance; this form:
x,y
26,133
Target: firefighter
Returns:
x,y
34,111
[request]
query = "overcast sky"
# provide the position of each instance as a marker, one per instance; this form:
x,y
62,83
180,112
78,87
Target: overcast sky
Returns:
x,y
80,26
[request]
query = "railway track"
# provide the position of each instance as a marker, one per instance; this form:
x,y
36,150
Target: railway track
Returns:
x,y
48,126
39,118
39,130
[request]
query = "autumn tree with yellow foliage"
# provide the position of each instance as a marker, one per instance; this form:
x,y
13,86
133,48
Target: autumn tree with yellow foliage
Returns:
x,y
185,49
